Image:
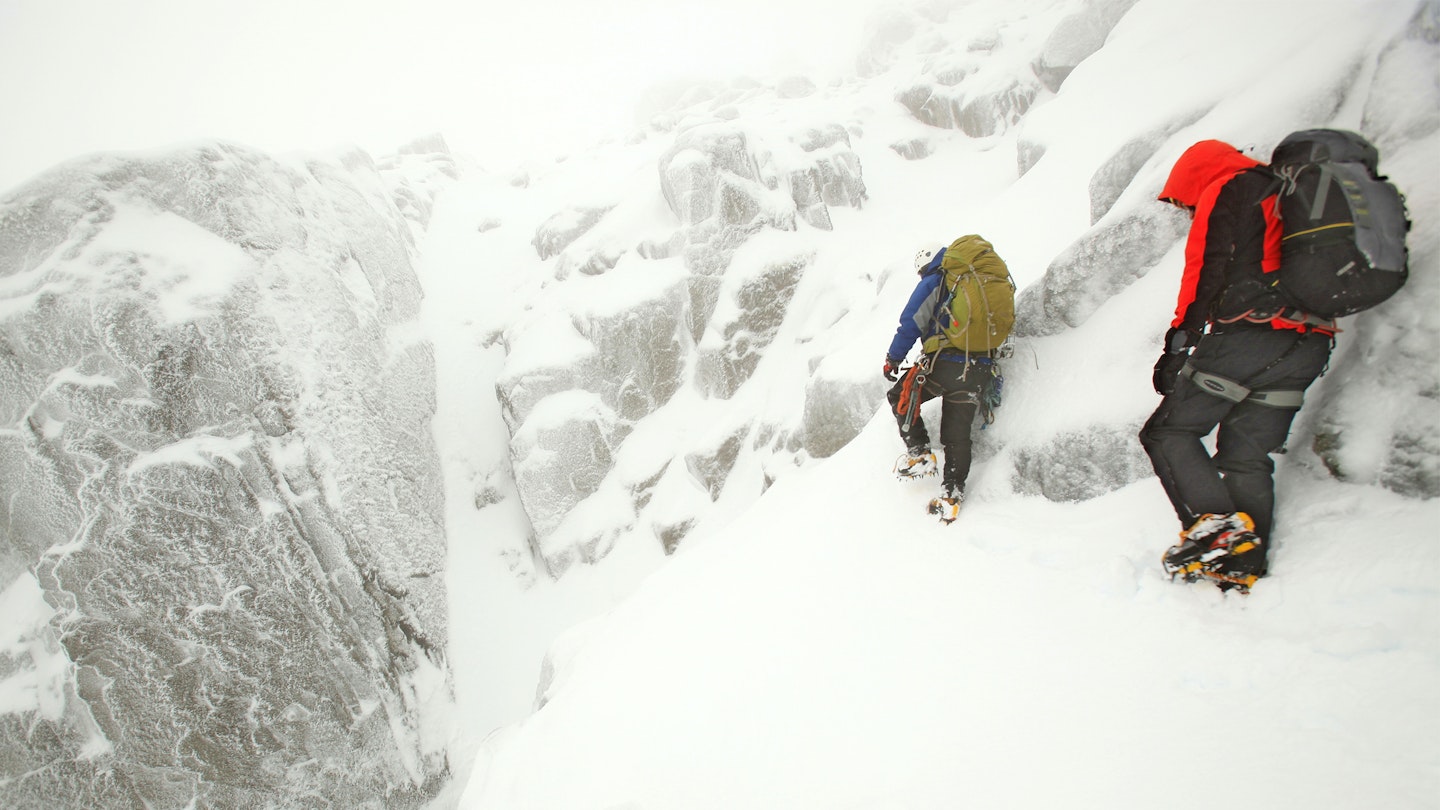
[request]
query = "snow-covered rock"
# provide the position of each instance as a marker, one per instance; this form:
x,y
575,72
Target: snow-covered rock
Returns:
x,y
1096,267
1076,37
742,329
1375,419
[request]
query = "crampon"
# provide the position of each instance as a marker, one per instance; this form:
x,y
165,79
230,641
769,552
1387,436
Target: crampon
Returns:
x,y
947,509
1223,549
947,506
922,465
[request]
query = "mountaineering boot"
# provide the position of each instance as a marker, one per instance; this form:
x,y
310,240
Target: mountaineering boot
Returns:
x,y
918,462
1210,539
947,506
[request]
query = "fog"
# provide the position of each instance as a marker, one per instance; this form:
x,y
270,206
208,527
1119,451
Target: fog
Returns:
x,y
501,81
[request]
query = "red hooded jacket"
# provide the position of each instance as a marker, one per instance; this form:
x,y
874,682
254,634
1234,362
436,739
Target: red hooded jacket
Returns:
x,y
1235,238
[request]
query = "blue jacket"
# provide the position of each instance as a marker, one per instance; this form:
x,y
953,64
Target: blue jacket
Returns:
x,y
917,320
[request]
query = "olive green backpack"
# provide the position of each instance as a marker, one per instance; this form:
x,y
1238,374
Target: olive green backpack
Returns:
x,y
980,309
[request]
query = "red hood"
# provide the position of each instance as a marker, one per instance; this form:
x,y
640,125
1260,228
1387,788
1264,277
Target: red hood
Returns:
x,y
1201,166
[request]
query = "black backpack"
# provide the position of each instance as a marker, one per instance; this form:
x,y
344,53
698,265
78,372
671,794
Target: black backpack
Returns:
x,y
1343,224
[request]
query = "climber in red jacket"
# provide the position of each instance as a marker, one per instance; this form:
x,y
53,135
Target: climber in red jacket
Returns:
x,y
1235,357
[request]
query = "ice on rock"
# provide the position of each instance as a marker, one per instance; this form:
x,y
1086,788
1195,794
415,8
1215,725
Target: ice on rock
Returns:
x,y
215,458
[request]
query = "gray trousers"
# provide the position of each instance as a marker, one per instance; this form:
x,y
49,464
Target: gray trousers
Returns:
x,y
1240,477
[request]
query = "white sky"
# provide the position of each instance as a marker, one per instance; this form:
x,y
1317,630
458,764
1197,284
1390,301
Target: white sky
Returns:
x,y
496,78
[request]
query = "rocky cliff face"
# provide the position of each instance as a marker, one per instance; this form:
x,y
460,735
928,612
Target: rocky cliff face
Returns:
x,y
219,499
687,315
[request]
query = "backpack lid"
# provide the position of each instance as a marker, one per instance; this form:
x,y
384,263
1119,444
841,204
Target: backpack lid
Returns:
x,y
1321,145
972,253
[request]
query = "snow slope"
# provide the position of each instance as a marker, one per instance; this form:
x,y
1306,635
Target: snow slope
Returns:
x,y
834,648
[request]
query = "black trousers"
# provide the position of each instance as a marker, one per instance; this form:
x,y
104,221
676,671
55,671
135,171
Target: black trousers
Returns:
x,y
1240,477
959,384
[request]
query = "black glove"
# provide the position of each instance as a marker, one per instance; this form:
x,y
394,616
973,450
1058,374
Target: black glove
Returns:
x,y
1177,350
1179,340
892,369
1167,371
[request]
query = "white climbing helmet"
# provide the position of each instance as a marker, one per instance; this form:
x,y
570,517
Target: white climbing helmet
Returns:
x,y
923,258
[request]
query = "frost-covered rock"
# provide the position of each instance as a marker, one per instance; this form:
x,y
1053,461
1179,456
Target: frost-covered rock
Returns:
x,y
1079,465
562,229
977,114
836,410
711,180
572,390
831,175
1096,267
1403,106
1378,416
217,470
712,467
631,359
562,453
979,80
416,174
1116,173
912,149
712,183
640,355
988,113
706,325
745,328
1075,38
1027,153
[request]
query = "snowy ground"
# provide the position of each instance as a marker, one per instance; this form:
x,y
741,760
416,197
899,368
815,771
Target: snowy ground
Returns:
x,y
837,649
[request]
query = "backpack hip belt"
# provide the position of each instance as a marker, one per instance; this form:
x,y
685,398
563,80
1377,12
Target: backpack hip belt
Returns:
x,y
1232,391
